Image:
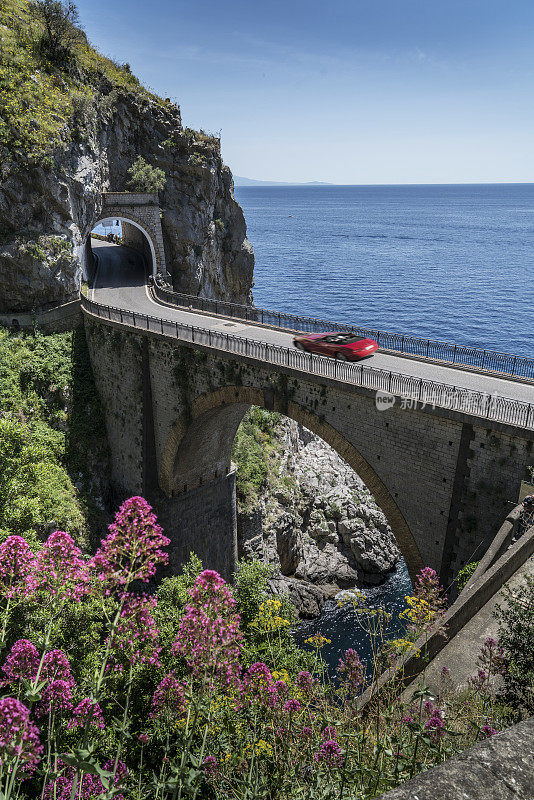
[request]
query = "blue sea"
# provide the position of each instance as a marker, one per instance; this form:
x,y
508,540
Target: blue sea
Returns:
x,y
454,263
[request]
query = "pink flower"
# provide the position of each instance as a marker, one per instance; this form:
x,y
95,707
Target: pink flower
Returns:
x,y
143,738
88,712
19,737
136,636
88,786
209,637
305,682
210,766
132,550
56,667
56,697
351,670
22,662
16,563
169,696
292,706
258,685
487,731
329,753
435,726
59,569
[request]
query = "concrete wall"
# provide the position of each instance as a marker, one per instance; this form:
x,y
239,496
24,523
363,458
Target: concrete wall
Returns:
x,y
500,768
53,320
431,471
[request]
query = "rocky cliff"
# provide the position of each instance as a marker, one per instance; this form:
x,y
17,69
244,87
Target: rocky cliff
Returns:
x,y
70,131
315,521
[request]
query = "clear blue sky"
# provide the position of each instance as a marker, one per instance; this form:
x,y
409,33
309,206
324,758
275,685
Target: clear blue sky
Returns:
x,y
345,91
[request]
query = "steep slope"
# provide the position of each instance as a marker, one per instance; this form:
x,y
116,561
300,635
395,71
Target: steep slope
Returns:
x,y
70,128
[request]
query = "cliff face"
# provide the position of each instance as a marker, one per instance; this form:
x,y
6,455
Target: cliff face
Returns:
x,y
316,523
100,120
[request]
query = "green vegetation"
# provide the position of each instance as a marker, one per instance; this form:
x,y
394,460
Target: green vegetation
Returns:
x,y
51,80
256,453
465,574
51,437
144,177
516,637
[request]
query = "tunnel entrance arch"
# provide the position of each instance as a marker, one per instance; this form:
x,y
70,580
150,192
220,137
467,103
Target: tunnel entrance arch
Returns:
x,y
198,449
153,266
141,211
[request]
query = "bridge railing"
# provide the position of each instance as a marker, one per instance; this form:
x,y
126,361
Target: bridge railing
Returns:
x,y
413,390
486,360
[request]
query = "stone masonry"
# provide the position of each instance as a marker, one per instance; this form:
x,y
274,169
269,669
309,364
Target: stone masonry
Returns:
x,y
442,478
137,209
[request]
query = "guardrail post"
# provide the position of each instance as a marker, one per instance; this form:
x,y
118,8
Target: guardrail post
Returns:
x,y
192,333
454,355
133,318
420,388
427,347
483,360
162,324
513,365
530,416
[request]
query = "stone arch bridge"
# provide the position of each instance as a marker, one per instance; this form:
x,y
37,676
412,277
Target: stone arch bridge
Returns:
x,y
174,393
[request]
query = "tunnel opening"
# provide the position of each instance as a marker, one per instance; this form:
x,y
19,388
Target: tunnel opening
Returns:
x,y
124,232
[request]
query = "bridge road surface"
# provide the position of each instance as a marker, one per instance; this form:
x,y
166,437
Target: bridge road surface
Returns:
x,y
120,282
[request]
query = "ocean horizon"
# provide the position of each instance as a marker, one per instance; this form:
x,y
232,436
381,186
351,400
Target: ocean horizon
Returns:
x,y
444,261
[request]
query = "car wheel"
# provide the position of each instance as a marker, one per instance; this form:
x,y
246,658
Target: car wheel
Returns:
x,y
341,357
299,346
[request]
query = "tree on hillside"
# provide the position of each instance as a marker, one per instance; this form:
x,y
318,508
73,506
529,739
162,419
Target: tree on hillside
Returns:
x,y
144,177
59,19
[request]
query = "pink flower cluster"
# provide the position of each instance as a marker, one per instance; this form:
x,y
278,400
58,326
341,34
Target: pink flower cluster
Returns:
x,y
136,636
59,568
329,753
434,723
88,787
88,712
16,563
169,696
19,737
209,637
22,662
133,549
350,670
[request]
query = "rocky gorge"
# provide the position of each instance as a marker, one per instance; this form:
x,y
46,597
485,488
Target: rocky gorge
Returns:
x,y
314,521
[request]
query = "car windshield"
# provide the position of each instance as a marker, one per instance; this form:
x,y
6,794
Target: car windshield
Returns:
x,y
343,338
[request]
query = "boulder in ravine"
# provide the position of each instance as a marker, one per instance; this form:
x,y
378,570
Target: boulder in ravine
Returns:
x,y
316,523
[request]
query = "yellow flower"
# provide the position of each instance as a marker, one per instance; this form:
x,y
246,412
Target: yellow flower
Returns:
x,y
318,641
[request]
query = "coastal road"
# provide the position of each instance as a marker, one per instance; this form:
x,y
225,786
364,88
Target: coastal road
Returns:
x,y
120,282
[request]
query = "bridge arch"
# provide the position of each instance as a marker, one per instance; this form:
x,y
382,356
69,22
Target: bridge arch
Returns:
x,y
198,449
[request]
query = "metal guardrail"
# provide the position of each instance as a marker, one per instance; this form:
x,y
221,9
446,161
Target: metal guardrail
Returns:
x,y
486,360
428,393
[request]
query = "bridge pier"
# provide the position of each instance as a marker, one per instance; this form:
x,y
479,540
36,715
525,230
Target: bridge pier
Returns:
x,y
202,521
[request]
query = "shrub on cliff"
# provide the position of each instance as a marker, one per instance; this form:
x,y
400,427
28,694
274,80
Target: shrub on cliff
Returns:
x,y
144,177
516,637
60,34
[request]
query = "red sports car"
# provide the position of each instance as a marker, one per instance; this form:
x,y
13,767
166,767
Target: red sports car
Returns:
x,y
343,346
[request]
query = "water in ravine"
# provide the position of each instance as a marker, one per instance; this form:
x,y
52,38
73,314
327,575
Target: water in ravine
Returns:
x,y
453,263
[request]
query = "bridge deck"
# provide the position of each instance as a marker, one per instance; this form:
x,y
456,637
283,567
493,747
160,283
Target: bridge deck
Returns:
x,y
120,283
